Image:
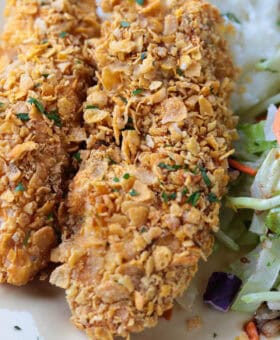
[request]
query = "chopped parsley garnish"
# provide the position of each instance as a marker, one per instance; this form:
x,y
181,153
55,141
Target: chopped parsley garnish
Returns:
x,y
17,328
27,237
185,191
137,91
143,230
54,117
116,179
140,2
123,99
38,105
116,190
23,117
1,104
205,177
62,34
212,197
126,176
50,217
133,193
232,17
125,24
168,197
143,55
111,161
92,107
194,198
78,61
45,75
179,71
45,41
19,188
169,167
77,156
129,125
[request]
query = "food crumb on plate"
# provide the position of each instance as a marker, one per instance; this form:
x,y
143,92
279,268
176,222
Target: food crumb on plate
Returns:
x,y
194,323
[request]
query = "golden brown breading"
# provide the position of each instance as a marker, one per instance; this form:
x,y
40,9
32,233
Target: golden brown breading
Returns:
x,y
145,204
34,19
41,95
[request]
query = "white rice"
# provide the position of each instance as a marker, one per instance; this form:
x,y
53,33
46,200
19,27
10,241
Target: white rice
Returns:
x,y
257,37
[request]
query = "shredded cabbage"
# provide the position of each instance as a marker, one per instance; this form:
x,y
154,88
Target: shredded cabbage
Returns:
x,y
259,204
261,274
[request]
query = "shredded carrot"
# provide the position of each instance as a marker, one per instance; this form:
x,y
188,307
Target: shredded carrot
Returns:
x,y
276,125
251,330
242,168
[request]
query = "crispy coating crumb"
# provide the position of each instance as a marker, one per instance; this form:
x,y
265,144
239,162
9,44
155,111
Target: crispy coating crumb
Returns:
x,y
41,95
194,323
145,203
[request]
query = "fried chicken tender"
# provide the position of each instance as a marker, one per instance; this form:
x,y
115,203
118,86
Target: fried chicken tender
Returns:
x,y
144,206
41,95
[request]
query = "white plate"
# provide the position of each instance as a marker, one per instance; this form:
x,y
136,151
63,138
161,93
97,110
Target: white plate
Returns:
x,y
41,312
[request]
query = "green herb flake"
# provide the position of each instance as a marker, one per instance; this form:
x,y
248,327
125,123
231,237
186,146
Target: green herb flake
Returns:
x,y
123,99
133,193
143,55
92,107
168,197
38,105
185,191
37,85
125,24
232,17
116,179
78,62
140,2
53,115
27,237
164,196
1,104
179,72
45,75
169,167
19,188
115,190
205,177
194,198
23,117
45,41
50,217
17,328
143,230
111,161
126,176
172,196
77,156
63,34
212,198
137,91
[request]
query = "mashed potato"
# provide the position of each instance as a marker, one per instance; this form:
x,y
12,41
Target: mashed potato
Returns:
x,y
257,37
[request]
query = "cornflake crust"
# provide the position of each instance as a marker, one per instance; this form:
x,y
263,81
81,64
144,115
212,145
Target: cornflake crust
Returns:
x,y
145,204
41,94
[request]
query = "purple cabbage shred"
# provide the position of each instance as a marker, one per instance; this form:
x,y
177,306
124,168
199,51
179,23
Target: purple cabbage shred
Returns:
x,y
221,290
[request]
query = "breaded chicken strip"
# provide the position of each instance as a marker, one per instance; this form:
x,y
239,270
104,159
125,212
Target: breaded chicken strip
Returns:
x,y
41,95
145,204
